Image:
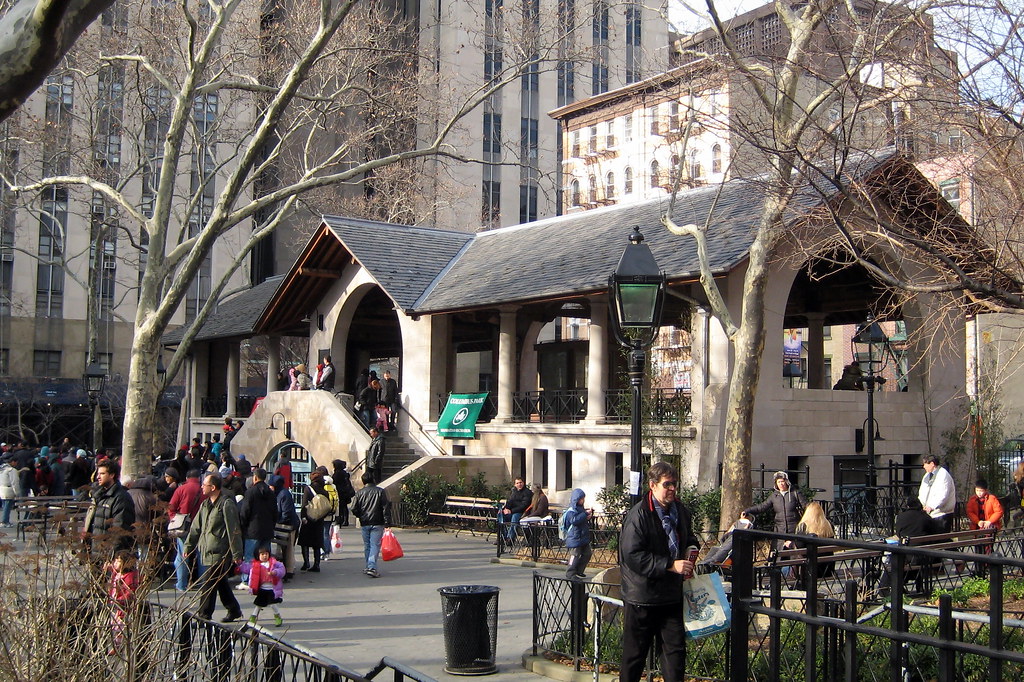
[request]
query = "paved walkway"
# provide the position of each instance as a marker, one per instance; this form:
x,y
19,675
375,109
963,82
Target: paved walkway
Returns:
x,y
355,620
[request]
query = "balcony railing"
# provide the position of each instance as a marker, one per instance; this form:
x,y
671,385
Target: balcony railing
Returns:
x,y
218,406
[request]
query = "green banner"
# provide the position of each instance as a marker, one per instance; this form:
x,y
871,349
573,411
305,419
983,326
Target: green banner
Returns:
x,y
460,414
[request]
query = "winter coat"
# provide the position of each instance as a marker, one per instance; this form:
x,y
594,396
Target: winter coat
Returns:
x,y
112,508
343,482
215,532
989,509
788,509
644,557
10,482
375,453
258,513
311,532
326,381
258,575
518,500
186,499
372,507
578,533
286,513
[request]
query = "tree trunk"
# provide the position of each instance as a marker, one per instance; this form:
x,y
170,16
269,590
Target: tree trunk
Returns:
x,y
748,347
140,409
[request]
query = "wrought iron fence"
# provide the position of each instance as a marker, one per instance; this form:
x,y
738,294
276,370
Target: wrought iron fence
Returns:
x,y
564,406
660,406
786,635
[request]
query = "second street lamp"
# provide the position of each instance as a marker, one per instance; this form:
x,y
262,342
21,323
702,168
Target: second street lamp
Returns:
x,y
871,336
94,380
637,290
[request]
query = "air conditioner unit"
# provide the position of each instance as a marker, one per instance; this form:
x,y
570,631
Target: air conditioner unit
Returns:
x,y
109,264
7,257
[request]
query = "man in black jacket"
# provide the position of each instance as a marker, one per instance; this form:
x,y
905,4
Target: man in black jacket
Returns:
x,y
787,503
375,456
112,512
373,509
652,558
516,504
257,516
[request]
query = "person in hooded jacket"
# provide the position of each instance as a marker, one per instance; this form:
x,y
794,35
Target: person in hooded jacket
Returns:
x,y
10,488
787,503
257,515
287,516
577,536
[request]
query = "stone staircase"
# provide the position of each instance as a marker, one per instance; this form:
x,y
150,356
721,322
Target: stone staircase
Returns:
x,y
399,453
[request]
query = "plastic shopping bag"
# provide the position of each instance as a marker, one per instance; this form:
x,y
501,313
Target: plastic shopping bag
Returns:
x,y
706,609
335,538
389,547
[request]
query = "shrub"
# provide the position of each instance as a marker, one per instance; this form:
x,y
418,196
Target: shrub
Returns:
x,y
423,493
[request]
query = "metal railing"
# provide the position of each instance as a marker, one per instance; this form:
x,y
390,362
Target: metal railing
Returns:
x,y
784,635
196,650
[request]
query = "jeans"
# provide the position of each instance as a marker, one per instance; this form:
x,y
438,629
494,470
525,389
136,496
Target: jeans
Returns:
x,y
327,537
579,558
8,506
182,566
513,520
371,545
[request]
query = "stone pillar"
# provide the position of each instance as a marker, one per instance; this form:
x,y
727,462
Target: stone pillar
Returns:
x,y
597,361
232,380
506,363
816,351
273,362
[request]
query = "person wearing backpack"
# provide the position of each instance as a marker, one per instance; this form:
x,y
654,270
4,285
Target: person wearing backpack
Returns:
x,y
574,527
311,532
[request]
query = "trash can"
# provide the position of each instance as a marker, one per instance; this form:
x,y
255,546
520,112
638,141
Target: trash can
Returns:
x,y
470,628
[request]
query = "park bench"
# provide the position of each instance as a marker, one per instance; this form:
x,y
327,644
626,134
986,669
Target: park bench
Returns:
x,y
59,512
468,513
926,573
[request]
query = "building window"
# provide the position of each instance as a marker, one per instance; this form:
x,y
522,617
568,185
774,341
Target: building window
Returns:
x,y
528,141
491,212
609,186
951,191
627,128
655,174
492,133
600,76
600,22
576,144
716,159
104,360
627,181
673,116
826,332
103,254
652,117
609,140
673,170
50,267
110,115
527,203
695,169
593,189
540,467
745,39
519,463
564,464
492,64
614,470
574,192
592,140
46,363
771,33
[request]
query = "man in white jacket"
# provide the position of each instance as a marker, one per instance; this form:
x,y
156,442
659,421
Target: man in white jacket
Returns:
x,y
937,493
10,488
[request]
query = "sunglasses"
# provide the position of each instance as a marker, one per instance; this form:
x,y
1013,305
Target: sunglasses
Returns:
x,y
669,484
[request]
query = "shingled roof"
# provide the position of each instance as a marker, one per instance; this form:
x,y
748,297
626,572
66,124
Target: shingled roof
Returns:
x,y
403,259
235,316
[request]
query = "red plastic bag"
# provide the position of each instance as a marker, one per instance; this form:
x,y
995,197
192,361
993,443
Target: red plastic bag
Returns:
x,y
389,547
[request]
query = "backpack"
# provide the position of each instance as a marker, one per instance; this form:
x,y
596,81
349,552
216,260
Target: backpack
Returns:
x,y
563,526
332,495
319,507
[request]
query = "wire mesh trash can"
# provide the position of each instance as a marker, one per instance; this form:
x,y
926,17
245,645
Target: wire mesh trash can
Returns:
x,y
470,628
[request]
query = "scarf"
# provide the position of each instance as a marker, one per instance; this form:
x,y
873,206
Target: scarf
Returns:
x,y
669,522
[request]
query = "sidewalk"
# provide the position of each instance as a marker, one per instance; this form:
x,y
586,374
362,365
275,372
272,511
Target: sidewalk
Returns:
x,y
356,620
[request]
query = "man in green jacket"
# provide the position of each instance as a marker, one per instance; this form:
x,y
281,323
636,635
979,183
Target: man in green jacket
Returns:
x,y
217,534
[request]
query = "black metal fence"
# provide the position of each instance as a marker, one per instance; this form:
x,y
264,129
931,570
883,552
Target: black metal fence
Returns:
x,y
817,632
662,406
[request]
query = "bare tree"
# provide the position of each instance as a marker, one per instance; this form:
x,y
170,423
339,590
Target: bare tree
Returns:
x,y
243,114
806,99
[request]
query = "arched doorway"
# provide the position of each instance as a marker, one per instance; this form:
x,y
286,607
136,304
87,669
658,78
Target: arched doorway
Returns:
x,y
373,339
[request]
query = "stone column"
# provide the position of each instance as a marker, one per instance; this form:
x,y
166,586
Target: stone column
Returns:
x,y
506,363
597,361
232,379
273,362
816,351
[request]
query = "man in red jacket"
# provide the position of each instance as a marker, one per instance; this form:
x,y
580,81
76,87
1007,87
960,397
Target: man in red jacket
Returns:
x,y
185,500
984,511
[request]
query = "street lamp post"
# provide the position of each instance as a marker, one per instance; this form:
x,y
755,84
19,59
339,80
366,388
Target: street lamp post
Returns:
x,y
870,335
637,289
94,380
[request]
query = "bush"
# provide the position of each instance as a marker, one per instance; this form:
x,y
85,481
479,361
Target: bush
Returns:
x,y
423,493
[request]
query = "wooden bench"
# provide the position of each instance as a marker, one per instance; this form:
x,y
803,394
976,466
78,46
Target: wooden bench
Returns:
x,y
925,573
468,513
42,513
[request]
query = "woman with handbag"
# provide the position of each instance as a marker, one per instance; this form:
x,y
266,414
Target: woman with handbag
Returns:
x,y
311,532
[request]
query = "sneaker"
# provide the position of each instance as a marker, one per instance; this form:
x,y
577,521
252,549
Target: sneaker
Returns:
x,y
242,586
325,557
372,572
278,620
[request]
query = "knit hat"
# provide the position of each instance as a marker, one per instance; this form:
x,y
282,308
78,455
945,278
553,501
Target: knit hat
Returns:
x,y
781,474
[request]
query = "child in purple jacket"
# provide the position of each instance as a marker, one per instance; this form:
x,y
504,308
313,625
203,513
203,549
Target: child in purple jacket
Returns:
x,y
266,582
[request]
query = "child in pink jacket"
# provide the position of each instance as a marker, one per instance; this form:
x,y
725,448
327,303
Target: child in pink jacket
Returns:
x,y
266,581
